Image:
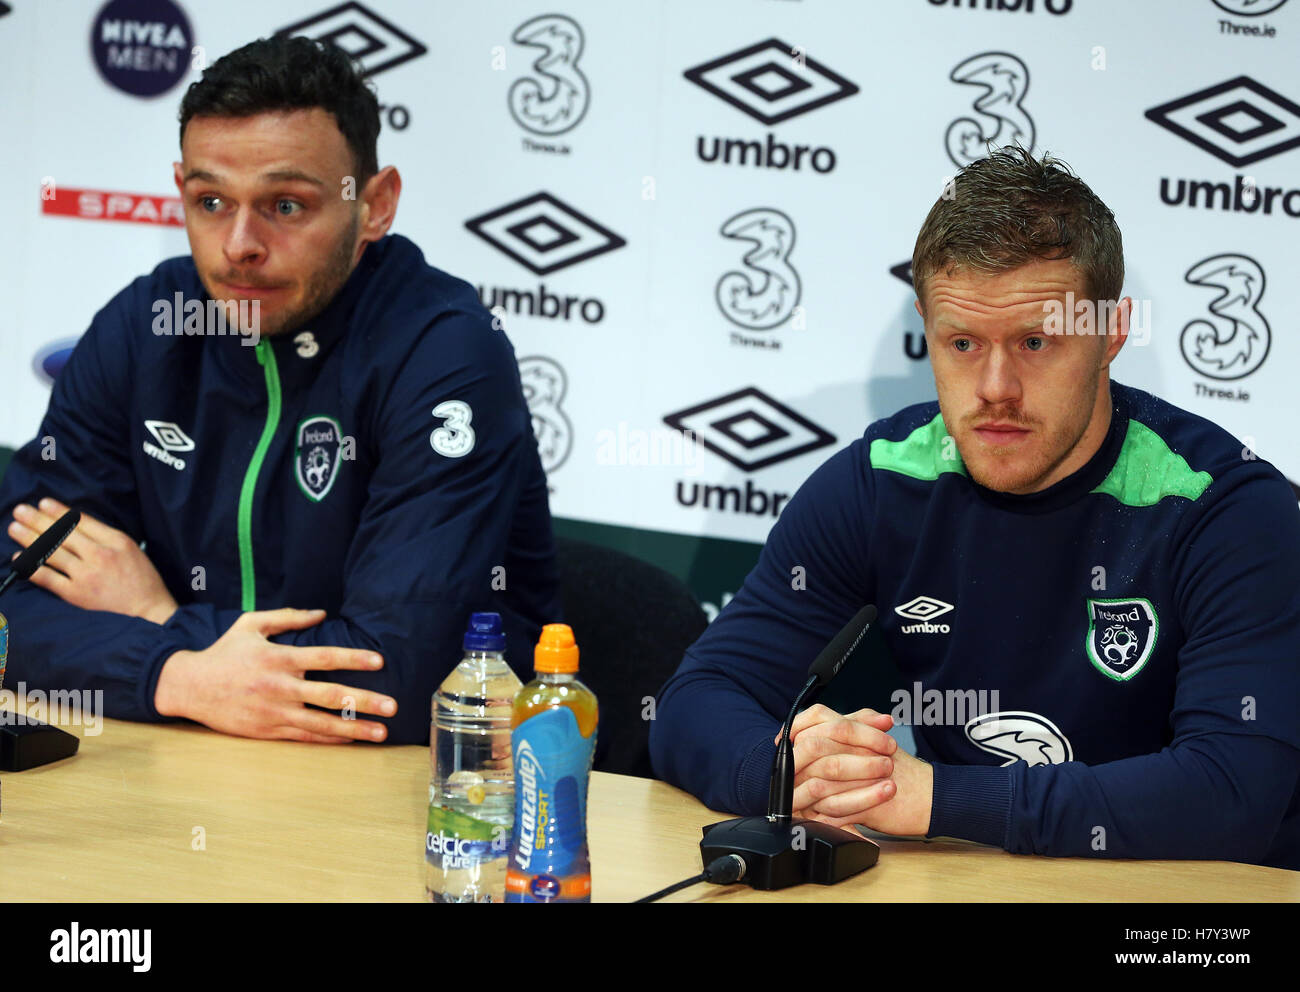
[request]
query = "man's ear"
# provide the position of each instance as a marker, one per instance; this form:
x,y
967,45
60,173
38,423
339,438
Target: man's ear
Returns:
x,y
379,203
917,304
1117,330
179,177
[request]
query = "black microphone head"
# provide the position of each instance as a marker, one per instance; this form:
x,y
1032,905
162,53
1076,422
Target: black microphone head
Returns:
x,y
35,556
832,658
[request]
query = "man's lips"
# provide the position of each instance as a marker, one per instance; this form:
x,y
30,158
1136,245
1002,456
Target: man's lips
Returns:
x,y
1001,433
251,290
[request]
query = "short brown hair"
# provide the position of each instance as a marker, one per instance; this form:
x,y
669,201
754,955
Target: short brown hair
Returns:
x,y
1011,208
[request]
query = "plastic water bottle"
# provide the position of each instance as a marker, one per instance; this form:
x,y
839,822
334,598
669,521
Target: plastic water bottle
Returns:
x,y
471,785
554,740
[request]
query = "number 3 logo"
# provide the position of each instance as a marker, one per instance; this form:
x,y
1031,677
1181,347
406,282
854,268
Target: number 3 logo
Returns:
x,y
455,438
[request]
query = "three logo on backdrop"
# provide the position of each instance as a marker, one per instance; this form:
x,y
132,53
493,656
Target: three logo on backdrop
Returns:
x,y
545,384
766,293
554,99
1236,340
375,42
142,47
544,234
1002,118
752,431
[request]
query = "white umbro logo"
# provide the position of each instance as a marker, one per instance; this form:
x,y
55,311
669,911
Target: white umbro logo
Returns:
x,y
924,609
170,438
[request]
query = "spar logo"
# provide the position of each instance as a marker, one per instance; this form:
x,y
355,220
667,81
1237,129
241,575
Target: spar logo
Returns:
x,y
1241,122
766,292
555,98
95,204
771,82
1000,117
1121,636
1018,735
544,234
141,47
545,383
318,452
1235,342
752,431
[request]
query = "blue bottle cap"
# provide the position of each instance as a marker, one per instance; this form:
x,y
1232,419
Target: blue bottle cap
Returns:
x,y
484,633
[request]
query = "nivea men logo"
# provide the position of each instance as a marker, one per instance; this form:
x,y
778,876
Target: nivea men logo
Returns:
x,y
1001,118
545,383
1249,8
1235,342
170,438
142,47
544,234
554,99
1018,735
377,44
318,451
752,431
1121,636
766,292
921,610
772,82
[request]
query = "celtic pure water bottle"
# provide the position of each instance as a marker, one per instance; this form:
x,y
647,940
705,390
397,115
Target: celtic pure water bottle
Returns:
x,y
471,785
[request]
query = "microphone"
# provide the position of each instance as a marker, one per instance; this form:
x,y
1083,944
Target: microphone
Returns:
x,y
27,743
779,851
26,564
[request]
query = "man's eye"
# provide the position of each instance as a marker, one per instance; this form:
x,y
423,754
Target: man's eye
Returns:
x,y
287,208
960,344
210,203
1035,343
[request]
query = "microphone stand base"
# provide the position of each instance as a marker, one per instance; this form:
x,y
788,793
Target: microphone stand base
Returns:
x,y
781,853
31,743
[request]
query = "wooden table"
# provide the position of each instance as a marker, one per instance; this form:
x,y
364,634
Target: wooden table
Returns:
x,y
179,812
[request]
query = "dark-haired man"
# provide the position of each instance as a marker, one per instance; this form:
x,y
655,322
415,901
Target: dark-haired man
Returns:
x,y
1093,595
321,440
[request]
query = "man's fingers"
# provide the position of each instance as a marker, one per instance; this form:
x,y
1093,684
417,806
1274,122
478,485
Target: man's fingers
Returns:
x,y
856,801
852,732
297,734
88,528
847,767
268,622
62,559
333,696
809,793
812,716
327,725
328,659
52,581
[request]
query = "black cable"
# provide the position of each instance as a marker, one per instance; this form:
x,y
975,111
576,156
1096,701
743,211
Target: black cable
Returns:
x,y
721,871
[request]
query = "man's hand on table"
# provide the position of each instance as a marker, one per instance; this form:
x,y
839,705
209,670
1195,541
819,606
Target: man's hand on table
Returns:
x,y
247,685
98,567
848,770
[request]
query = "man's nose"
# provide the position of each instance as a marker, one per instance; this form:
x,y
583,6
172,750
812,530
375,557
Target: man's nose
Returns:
x,y
998,379
244,241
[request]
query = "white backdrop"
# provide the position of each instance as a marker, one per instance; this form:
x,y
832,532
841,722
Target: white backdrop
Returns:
x,y
582,174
